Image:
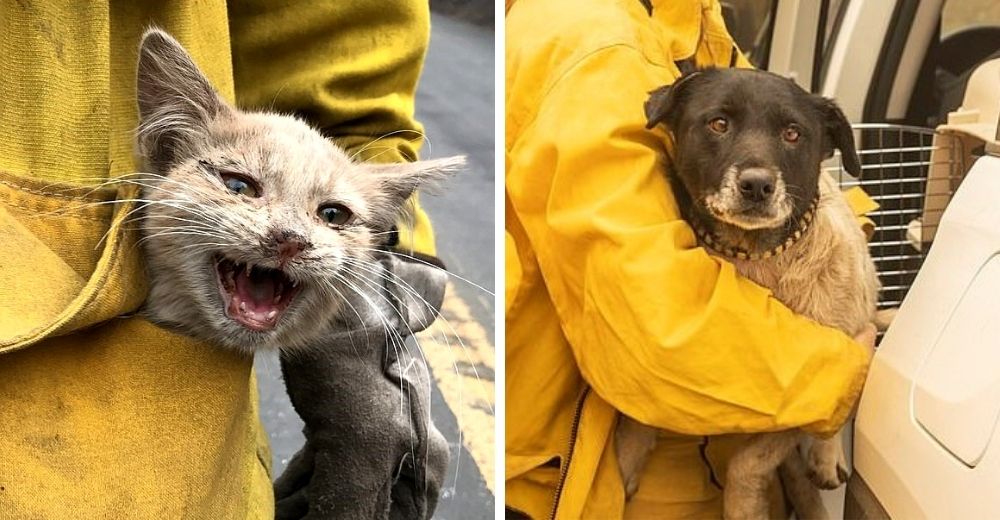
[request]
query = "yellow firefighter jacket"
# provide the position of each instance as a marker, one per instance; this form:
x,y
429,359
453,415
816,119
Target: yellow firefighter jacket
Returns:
x,y
103,415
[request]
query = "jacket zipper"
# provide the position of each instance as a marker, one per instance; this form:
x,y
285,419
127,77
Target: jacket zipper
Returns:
x,y
564,470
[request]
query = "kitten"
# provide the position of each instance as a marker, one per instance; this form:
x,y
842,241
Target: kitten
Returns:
x,y
255,227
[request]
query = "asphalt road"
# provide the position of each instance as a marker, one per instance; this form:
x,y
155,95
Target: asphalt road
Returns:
x,y
455,104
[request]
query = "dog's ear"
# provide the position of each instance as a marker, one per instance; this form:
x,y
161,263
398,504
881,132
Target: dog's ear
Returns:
x,y
661,106
839,135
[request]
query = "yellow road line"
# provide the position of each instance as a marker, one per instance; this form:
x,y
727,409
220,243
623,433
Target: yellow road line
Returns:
x,y
464,376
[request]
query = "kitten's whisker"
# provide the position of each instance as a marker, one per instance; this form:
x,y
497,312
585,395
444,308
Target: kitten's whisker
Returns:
x,y
174,233
328,284
101,203
161,230
99,180
461,389
130,178
396,340
420,135
378,290
169,217
186,228
141,207
465,349
145,180
398,345
385,278
400,282
195,227
90,189
190,207
202,244
415,259
141,204
384,149
210,197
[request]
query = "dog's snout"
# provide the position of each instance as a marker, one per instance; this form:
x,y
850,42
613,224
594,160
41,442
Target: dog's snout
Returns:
x,y
756,184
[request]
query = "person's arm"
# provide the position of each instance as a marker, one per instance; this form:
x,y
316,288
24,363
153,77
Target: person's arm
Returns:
x,y
664,332
348,68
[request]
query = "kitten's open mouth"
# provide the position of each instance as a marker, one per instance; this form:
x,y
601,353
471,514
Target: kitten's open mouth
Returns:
x,y
254,296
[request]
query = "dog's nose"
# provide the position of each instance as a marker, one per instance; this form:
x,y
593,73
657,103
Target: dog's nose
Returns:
x,y
756,184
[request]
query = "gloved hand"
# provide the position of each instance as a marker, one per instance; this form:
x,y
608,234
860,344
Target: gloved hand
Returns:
x,y
371,449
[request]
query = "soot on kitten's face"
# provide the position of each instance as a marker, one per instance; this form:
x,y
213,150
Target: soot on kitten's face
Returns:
x,y
256,228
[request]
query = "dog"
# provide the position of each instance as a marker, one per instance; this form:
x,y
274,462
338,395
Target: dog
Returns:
x,y
747,177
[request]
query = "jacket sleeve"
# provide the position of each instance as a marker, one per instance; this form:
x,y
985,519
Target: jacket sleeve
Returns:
x,y
348,68
664,332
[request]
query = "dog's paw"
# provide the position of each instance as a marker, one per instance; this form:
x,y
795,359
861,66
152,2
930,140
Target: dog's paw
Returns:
x,y
826,465
825,478
631,486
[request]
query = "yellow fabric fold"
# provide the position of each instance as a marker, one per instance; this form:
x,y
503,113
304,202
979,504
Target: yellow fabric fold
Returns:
x,y
862,204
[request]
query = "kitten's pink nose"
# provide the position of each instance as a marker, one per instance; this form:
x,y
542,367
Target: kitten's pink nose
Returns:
x,y
289,244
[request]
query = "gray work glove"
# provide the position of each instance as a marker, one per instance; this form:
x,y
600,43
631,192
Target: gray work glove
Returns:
x,y
371,450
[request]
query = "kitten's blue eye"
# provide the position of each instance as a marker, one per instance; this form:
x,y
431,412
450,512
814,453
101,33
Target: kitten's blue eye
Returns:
x,y
335,214
240,185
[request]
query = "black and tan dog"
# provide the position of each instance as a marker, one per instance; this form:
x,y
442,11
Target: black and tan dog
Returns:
x,y
746,174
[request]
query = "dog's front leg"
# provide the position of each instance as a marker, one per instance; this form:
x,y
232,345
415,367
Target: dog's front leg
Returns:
x,y
633,443
827,463
751,471
800,491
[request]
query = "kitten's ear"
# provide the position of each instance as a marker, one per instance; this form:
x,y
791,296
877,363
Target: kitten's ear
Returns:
x,y
400,180
176,101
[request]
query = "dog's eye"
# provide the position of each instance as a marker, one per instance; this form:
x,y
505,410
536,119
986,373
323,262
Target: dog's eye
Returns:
x,y
719,125
240,185
791,134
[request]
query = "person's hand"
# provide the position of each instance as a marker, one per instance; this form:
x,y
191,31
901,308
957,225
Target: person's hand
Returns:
x,y
867,337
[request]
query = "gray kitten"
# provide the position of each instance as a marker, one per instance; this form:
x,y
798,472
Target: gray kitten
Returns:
x,y
256,227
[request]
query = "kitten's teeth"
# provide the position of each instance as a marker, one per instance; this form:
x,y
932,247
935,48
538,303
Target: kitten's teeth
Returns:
x,y
277,298
243,306
246,271
272,314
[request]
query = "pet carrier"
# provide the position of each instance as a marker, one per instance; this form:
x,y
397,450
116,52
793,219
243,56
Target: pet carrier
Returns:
x,y
911,173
